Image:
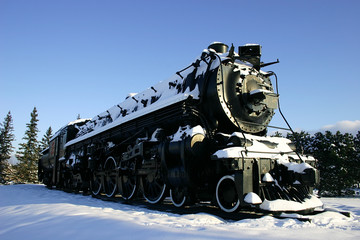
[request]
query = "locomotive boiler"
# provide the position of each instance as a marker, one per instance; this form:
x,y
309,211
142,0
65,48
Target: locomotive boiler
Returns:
x,y
199,136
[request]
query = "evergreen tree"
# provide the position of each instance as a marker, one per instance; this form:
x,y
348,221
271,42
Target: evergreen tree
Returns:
x,y
45,141
337,160
29,152
277,134
302,141
356,163
6,148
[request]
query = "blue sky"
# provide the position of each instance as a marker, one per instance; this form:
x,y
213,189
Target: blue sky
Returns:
x,y
82,57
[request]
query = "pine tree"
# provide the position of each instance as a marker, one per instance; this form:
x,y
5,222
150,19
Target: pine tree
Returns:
x,y
6,148
45,141
337,160
356,162
29,152
277,134
302,141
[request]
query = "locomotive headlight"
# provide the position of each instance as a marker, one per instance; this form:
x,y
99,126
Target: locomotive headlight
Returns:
x,y
267,97
256,94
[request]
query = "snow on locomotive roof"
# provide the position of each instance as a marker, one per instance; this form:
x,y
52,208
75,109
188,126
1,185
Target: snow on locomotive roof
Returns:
x,y
251,44
78,121
129,117
82,120
163,94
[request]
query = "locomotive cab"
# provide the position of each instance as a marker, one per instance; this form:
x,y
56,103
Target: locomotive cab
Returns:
x,y
48,164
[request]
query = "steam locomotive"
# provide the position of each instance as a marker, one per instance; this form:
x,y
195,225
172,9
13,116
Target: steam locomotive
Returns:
x,y
200,136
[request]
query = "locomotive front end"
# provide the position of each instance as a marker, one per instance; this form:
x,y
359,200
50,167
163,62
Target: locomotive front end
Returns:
x,y
240,96
254,170
265,172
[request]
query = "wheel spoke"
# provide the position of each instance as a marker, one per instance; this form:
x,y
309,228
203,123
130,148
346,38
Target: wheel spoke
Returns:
x,y
129,181
95,183
110,183
154,189
129,187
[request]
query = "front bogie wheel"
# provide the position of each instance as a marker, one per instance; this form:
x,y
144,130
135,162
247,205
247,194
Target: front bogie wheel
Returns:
x,y
226,194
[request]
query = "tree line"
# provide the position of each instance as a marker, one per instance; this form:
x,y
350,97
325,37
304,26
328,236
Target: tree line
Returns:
x,y
337,155
28,154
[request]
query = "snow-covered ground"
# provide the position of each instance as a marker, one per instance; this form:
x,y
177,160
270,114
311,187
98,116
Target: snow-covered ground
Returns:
x,y
35,212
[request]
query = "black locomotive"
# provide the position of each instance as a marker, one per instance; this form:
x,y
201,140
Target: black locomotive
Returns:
x,y
199,136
